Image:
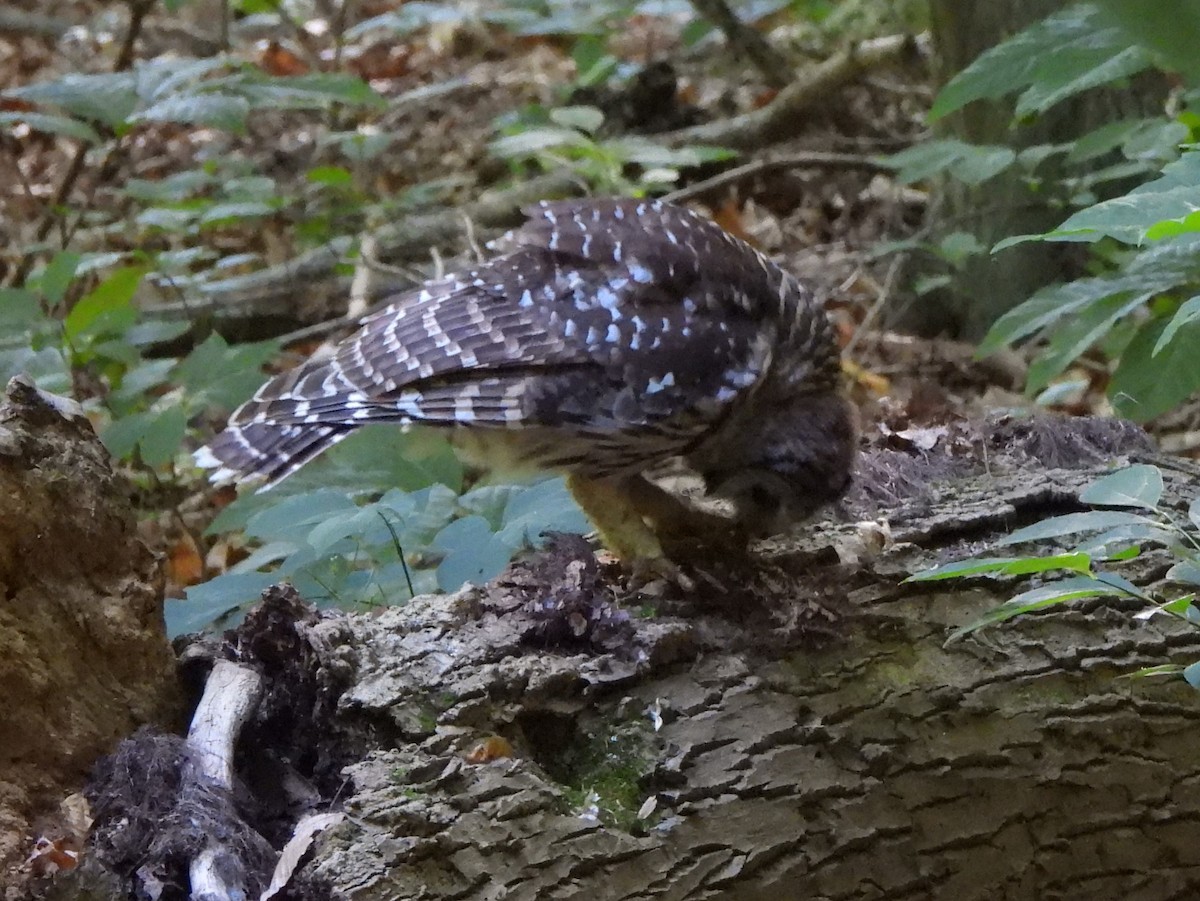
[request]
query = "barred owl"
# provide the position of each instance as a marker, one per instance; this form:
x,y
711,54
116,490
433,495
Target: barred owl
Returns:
x,y
607,337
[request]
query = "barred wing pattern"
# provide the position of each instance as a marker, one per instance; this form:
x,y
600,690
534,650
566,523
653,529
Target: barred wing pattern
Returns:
x,y
607,336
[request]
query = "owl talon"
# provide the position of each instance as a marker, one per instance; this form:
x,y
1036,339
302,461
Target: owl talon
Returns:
x,y
654,576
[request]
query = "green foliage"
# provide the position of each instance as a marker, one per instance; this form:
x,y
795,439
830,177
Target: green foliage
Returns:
x,y
1104,536
1138,308
566,138
348,538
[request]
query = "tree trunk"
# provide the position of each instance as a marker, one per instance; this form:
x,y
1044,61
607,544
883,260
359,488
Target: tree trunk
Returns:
x,y
989,285
824,743
804,732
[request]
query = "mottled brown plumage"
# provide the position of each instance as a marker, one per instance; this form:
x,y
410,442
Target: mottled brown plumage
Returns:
x,y
606,338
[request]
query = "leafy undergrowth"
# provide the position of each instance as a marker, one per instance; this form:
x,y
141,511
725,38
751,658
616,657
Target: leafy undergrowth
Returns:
x,y
1133,516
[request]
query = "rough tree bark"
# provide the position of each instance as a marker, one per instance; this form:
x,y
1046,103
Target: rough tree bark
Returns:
x,y
84,658
804,732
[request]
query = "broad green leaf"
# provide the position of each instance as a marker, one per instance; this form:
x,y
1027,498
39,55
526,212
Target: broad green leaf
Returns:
x,y
109,98
224,111
1140,388
1058,52
221,213
1061,76
53,281
582,118
171,189
1072,338
222,376
163,437
1138,486
330,175
1074,523
1168,28
215,601
53,125
544,507
1185,572
1174,195
294,517
1106,138
1191,673
1189,311
1160,267
968,162
156,434
317,90
1005,566
97,308
19,310
381,456
473,553
531,140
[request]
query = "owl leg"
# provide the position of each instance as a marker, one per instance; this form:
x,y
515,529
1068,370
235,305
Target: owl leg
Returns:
x,y
673,519
615,514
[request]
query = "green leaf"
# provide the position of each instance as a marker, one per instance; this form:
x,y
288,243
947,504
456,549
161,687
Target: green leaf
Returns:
x,y
318,90
1061,592
221,376
1174,195
1138,388
163,437
473,553
381,456
107,307
1185,572
587,119
1138,486
54,280
1163,669
1056,56
1194,511
233,211
1191,673
1158,268
531,140
157,434
544,507
214,601
1005,566
330,175
19,310
1060,76
293,518
1075,335
1168,28
108,97
1074,523
223,111
969,163
1188,312
53,125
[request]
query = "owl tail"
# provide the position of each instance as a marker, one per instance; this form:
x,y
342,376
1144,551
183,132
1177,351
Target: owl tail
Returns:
x,y
266,451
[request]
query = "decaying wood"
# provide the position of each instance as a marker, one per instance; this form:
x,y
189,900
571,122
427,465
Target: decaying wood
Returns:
x,y
230,696
803,731
84,658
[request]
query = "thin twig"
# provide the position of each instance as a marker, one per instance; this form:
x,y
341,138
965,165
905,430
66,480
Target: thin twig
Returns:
x,y
747,41
814,160
881,299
